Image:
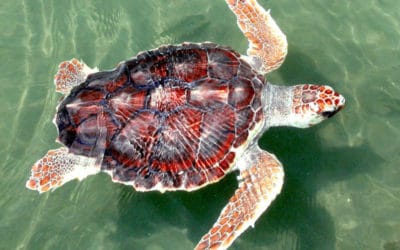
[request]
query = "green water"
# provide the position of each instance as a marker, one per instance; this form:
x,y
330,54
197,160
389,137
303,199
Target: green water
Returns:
x,y
342,188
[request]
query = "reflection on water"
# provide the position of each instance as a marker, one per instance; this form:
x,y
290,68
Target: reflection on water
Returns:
x,y
341,188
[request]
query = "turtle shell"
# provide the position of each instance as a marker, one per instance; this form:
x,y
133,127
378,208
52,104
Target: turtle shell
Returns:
x,y
170,118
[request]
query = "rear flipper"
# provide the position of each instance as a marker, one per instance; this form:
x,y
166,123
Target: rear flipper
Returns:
x,y
70,74
58,167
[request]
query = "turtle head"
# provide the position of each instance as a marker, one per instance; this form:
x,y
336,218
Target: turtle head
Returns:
x,y
314,103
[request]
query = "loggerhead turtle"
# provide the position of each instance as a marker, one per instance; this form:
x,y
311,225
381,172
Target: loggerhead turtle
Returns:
x,y
183,116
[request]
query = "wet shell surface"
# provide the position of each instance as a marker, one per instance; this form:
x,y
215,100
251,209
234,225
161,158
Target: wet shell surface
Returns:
x,y
168,119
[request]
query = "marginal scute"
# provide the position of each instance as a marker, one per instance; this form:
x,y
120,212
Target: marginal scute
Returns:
x,y
256,103
241,139
195,179
259,116
140,76
167,119
243,118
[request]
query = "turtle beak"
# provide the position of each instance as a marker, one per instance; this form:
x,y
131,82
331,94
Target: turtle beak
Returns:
x,y
329,114
339,106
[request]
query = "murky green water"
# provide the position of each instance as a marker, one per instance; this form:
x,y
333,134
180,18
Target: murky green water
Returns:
x,y
342,188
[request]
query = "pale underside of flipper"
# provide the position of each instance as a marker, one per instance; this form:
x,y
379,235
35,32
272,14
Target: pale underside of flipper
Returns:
x,y
261,180
267,43
70,74
57,167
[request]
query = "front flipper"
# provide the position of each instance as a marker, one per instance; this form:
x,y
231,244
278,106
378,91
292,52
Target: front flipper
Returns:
x,y
58,167
267,43
70,74
261,181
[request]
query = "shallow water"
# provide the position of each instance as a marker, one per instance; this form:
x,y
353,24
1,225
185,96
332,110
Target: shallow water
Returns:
x,y
342,188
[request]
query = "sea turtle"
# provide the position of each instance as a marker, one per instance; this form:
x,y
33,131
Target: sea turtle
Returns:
x,y
183,116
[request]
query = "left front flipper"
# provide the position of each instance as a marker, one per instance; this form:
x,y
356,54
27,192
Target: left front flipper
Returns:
x,y
267,43
261,176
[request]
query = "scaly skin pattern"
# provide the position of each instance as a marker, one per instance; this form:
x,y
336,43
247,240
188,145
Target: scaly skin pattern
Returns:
x,y
70,74
261,181
58,167
48,172
307,95
267,43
